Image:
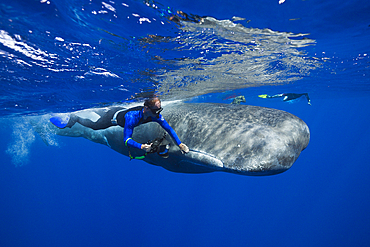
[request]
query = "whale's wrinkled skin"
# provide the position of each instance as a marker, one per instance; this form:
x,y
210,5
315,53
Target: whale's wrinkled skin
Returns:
x,y
247,140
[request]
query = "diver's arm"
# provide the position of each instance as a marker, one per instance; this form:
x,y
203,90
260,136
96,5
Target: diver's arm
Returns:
x,y
127,136
162,122
172,133
131,143
308,98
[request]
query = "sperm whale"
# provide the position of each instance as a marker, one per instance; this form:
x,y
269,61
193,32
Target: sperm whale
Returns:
x,y
242,139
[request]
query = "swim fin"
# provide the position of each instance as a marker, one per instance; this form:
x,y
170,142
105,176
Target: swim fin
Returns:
x,y
263,96
60,121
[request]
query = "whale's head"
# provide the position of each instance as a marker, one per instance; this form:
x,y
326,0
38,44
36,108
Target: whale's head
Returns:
x,y
247,140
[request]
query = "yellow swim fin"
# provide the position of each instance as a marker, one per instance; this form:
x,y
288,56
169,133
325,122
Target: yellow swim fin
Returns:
x,y
263,96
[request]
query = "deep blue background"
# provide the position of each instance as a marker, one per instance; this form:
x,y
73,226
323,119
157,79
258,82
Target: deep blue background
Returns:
x,y
85,194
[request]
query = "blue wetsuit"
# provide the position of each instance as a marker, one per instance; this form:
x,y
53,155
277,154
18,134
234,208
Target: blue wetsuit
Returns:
x,y
135,118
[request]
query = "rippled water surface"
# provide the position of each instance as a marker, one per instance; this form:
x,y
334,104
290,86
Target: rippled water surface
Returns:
x,y
63,55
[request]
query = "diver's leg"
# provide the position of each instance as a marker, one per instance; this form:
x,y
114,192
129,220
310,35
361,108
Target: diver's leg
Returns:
x,y
277,95
105,120
308,98
292,96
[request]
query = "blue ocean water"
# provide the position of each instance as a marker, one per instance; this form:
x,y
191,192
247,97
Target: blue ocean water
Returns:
x,y
66,55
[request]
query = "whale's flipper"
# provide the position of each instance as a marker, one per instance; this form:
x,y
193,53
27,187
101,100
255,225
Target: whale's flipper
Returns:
x,y
60,121
263,96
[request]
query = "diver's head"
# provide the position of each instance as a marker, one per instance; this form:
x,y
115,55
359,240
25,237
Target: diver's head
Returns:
x,y
153,106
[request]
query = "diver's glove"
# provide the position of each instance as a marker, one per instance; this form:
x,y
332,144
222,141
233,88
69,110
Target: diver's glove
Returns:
x,y
146,147
184,148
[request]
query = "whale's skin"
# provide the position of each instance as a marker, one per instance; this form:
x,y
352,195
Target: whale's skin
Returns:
x,y
242,139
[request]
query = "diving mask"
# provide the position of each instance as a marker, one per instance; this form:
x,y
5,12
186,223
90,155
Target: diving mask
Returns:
x,y
156,111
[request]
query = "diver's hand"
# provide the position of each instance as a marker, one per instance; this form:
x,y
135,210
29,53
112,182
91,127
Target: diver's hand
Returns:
x,y
184,148
146,147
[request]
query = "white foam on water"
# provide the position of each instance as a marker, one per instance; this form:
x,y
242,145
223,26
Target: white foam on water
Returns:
x,y
22,138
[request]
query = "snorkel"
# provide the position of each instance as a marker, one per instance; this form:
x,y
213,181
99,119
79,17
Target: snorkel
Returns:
x,y
156,111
